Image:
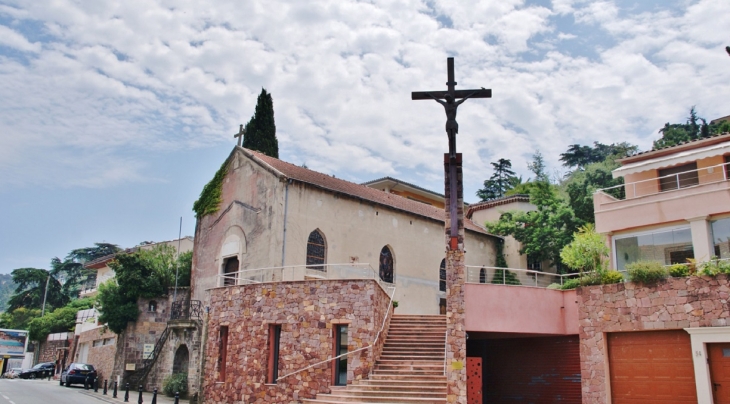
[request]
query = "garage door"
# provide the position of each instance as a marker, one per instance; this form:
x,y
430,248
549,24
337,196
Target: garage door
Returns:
x,y
651,367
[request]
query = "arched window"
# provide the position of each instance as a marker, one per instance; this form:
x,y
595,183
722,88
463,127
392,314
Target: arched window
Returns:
x,y
442,276
316,250
483,275
386,264
230,271
152,306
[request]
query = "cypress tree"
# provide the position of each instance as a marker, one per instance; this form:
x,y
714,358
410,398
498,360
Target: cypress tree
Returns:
x,y
261,130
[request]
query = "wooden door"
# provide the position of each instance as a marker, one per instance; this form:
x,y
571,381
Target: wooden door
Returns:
x,y
720,372
651,367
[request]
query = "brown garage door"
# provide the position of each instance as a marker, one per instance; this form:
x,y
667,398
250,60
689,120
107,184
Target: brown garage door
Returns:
x,y
651,367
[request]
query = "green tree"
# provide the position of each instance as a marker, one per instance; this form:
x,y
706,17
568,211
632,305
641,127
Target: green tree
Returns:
x,y
579,157
144,273
185,266
59,320
18,319
31,287
502,180
261,129
545,231
587,252
676,133
581,184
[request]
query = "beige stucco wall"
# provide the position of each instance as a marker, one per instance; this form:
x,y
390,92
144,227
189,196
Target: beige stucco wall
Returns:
x,y
249,224
639,184
512,247
707,170
354,230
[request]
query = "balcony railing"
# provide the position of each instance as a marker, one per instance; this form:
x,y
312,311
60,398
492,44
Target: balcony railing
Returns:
x,y
301,273
672,182
514,276
186,310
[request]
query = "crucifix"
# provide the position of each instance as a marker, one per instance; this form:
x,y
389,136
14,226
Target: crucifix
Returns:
x,y
450,104
240,134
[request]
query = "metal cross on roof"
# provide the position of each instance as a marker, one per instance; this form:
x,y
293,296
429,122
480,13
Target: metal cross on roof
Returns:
x,y
240,134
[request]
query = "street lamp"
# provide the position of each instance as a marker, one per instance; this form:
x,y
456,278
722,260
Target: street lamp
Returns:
x,y
45,294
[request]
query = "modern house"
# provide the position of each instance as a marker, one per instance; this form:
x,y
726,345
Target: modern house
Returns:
x,y
668,342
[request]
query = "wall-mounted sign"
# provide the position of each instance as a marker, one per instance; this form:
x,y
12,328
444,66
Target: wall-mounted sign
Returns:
x,y
130,366
148,350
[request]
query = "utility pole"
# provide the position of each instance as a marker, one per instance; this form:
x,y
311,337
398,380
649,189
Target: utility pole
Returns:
x,y
177,257
45,294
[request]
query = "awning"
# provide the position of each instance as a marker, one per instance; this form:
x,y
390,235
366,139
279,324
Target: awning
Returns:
x,y
687,156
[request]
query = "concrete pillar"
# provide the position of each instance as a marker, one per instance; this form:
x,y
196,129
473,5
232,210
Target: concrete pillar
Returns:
x,y
704,249
455,279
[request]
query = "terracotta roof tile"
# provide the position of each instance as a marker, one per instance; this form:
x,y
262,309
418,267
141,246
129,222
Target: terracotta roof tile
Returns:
x,y
359,191
496,202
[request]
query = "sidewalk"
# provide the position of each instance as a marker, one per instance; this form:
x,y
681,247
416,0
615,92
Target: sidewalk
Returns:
x,y
133,397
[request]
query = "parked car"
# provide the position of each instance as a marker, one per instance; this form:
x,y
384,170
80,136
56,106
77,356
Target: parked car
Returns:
x,y
77,373
13,373
38,371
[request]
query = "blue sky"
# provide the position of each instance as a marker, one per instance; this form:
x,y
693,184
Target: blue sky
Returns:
x,y
114,115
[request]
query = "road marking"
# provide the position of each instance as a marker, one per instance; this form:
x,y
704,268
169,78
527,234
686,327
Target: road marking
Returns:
x,y
6,397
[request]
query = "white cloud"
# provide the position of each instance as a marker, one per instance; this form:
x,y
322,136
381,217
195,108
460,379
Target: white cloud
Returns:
x,y
15,40
112,80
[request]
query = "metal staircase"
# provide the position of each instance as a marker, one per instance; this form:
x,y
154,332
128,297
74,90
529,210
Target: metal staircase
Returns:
x,y
139,375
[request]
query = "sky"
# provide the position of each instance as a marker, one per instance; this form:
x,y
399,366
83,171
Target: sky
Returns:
x,y
113,115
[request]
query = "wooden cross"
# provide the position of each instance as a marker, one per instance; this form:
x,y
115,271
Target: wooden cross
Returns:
x,y
240,134
451,95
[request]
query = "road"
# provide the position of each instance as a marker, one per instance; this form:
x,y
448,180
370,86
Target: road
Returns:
x,y
17,391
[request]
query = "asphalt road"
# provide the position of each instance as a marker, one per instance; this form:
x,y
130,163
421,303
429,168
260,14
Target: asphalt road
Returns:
x,y
17,391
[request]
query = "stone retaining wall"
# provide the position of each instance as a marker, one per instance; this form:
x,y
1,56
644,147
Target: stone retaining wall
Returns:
x,y
306,311
675,303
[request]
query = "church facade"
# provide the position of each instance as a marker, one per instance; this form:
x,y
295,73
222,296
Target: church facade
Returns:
x,y
278,219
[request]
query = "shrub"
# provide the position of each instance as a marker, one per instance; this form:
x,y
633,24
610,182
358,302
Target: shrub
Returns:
x,y
679,270
609,277
571,284
555,286
175,383
715,267
646,271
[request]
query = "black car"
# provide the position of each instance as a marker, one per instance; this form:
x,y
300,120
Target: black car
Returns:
x,y
38,371
77,373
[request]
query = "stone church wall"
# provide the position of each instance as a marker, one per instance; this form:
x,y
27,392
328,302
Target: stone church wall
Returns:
x,y
676,303
306,311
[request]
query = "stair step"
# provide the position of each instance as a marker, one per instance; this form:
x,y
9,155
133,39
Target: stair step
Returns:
x,y
410,369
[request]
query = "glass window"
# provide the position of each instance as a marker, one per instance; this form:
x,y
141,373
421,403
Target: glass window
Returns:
x,y
667,247
386,265
678,177
721,237
442,276
315,251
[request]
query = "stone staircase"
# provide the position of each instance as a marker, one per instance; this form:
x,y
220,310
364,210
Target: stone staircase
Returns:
x,y
410,368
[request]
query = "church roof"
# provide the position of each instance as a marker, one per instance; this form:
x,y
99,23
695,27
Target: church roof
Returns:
x,y
359,191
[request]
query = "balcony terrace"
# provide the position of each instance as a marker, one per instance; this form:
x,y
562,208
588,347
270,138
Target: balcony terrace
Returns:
x,y
663,199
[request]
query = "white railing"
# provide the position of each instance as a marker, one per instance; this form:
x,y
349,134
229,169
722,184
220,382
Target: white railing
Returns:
x,y
514,276
375,341
652,186
300,273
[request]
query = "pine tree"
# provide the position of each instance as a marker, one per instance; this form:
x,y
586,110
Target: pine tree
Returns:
x,y
501,181
261,129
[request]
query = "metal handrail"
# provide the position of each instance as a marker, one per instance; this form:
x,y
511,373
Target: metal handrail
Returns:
x,y
234,276
446,344
724,178
534,273
375,341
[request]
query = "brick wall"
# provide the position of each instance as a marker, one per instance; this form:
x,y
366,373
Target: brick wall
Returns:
x,y
306,311
102,356
672,304
49,350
